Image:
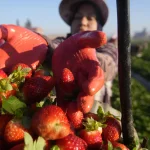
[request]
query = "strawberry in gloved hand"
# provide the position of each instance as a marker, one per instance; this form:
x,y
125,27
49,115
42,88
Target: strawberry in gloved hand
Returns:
x,y
20,45
75,66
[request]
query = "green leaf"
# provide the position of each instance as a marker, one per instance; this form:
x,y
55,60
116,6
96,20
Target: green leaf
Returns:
x,y
40,67
5,85
19,113
51,73
18,75
91,124
110,147
13,105
28,141
55,147
100,112
40,144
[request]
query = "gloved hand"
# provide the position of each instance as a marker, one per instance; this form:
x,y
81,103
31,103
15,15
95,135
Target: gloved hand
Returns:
x,y
76,68
21,46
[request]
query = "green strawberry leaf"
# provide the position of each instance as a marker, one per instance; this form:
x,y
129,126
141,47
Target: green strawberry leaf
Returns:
x,y
91,124
100,112
18,113
5,85
13,106
40,104
110,147
40,144
40,67
18,75
28,141
55,147
51,73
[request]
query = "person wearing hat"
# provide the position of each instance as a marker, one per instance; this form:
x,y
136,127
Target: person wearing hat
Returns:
x,y
90,15
85,17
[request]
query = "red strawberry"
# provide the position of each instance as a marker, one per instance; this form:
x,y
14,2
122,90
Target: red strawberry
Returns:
x,y
91,115
112,131
51,123
67,81
37,88
115,145
71,142
92,138
85,102
23,66
2,74
14,131
18,147
75,115
4,119
92,133
119,145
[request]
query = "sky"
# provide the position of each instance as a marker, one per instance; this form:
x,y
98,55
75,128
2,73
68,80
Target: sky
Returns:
x,y
45,14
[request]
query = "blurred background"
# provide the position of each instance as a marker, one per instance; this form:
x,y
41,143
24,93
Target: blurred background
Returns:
x,y
43,17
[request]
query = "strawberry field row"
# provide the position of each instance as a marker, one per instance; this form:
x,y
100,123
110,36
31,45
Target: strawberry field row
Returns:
x,y
140,105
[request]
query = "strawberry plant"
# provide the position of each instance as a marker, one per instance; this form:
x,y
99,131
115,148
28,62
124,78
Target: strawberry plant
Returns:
x,y
143,61
140,105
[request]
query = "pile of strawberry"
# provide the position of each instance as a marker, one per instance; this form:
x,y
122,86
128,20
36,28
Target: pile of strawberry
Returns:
x,y
30,118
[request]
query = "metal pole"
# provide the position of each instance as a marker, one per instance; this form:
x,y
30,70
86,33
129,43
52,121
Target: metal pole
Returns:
x,y
123,15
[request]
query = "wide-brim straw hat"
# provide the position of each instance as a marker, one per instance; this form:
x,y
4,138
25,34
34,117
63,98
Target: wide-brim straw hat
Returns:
x,y
66,9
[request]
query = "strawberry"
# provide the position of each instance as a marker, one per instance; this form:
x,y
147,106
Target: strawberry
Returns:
x,y
91,115
92,133
119,145
51,123
71,142
85,102
14,131
37,88
113,145
2,74
75,115
112,131
18,147
4,119
67,81
25,69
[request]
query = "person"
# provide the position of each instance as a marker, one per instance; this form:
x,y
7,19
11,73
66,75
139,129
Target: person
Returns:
x,y
22,45
90,15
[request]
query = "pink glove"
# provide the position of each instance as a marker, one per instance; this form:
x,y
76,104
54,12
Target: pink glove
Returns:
x,y
21,46
76,67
